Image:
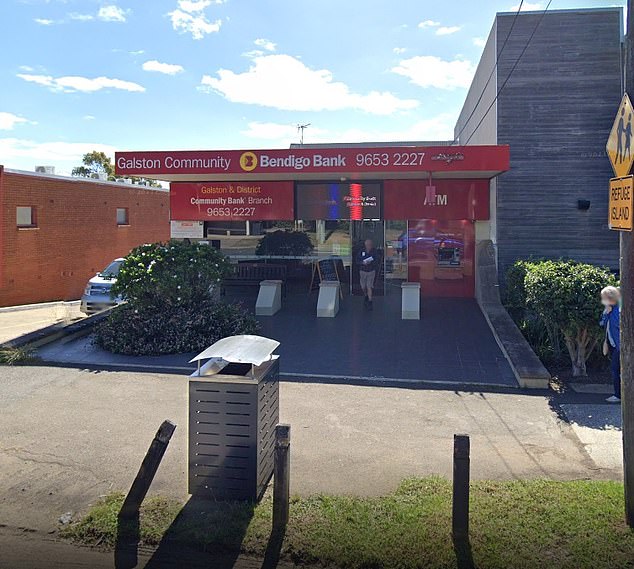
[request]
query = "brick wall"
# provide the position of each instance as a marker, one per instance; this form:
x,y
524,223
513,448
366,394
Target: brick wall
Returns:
x,y
76,234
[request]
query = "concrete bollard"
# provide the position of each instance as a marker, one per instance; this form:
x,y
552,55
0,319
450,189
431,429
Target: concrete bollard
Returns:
x,y
328,301
269,298
410,301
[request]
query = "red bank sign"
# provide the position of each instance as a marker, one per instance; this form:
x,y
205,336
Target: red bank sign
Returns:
x,y
314,160
231,201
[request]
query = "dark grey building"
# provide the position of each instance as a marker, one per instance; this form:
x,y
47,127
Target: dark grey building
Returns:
x,y
555,111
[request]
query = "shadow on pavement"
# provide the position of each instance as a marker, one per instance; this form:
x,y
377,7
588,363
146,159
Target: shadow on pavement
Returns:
x,y
586,410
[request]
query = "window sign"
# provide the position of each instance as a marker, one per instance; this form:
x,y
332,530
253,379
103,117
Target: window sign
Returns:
x,y
338,200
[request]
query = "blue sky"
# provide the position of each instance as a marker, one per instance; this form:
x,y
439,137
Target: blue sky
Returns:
x,y
205,74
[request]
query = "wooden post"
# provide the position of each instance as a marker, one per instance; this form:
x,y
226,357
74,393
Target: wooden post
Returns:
x,y
148,469
627,313
281,477
460,505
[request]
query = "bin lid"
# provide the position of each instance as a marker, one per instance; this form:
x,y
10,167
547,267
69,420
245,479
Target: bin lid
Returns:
x,y
244,349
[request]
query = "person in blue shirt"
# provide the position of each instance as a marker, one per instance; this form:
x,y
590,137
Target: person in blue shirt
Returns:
x,y
610,319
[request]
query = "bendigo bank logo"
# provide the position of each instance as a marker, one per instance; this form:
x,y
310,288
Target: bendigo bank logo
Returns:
x,y
248,161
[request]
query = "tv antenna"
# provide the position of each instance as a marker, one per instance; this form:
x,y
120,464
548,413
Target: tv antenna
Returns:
x,y
300,129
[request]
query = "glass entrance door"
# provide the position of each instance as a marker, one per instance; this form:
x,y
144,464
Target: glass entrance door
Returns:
x,y
359,232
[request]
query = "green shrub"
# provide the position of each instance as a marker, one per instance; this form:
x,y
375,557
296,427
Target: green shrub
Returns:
x,y
514,297
561,298
16,356
170,274
172,329
285,243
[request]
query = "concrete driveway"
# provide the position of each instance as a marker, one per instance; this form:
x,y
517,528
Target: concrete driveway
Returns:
x,y
16,321
70,436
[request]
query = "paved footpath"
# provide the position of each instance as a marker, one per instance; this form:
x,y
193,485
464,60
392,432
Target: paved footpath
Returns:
x,y
70,436
21,320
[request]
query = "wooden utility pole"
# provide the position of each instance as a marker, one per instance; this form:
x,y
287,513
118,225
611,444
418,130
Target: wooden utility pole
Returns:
x,y
627,312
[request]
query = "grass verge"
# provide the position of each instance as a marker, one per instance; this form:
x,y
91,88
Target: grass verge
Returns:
x,y
526,524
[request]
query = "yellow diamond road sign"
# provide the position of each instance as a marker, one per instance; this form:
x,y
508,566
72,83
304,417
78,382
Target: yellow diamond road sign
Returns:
x,y
619,147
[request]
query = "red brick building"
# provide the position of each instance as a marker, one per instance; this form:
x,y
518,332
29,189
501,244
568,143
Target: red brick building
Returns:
x,y
57,232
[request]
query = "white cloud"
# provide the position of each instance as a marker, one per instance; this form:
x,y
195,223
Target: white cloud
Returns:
x,y
189,17
253,53
430,71
399,50
9,120
284,82
431,129
81,17
89,117
44,21
479,42
447,30
112,13
429,24
165,68
268,45
72,84
527,7
25,154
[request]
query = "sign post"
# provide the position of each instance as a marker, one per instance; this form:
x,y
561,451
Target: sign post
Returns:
x,y
619,149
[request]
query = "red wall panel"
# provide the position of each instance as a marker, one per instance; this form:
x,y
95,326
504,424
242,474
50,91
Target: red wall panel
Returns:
x,y
232,201
454,199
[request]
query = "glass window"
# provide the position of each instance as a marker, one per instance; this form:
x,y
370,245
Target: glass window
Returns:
x,y
112,270
396,250
333,201
122,216
25,216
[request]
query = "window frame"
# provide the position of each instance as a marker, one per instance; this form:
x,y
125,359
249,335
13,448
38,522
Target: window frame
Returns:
x,y
33,216
127,217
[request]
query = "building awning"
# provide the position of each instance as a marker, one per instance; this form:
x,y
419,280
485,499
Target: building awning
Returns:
x,y
333,162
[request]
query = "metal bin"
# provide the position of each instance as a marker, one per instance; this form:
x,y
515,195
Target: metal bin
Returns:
x,y
233,411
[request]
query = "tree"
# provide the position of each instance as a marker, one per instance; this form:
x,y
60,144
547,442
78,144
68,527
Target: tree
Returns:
x,y
285,243
94,165
97,164
566,295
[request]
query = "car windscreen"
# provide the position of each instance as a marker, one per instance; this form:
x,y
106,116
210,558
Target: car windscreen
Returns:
x,y
112,270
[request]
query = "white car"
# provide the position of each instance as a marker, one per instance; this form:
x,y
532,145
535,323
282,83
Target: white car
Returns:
x,y
97,296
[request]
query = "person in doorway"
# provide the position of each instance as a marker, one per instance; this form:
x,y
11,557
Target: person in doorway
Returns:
x,y
610,297
367,260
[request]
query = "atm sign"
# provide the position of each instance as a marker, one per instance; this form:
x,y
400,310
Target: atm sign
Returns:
x,y
620,205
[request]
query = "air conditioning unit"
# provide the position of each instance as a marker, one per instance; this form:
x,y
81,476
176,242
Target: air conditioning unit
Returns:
x,y
45,170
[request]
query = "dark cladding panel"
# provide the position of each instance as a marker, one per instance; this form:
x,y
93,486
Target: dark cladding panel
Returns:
x,y
555,113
